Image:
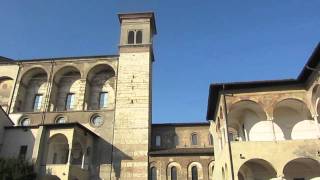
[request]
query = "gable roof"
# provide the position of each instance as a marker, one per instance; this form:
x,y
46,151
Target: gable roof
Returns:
x,y
215,89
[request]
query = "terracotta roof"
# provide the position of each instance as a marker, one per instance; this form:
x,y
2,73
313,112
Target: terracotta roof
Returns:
x,y
182,152
216,89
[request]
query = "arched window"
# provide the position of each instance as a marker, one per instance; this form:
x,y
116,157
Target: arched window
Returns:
x,y
194,139
194,173
153,173
174,173
131,37
210,139
139,37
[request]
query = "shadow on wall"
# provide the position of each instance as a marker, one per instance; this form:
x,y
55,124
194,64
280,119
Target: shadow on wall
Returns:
x,y
111,155
84,162
167,139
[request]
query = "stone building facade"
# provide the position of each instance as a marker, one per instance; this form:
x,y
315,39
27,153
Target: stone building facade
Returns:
x,y
90,117
267,129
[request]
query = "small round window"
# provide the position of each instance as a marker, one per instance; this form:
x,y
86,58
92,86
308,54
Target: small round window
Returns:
x,y
97,120
60,120
25,122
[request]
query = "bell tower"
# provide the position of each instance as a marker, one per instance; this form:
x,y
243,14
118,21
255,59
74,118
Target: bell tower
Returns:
x,y
133,111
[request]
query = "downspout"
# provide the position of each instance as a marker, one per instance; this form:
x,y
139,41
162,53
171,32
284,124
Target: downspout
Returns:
x,y
14,88
229,145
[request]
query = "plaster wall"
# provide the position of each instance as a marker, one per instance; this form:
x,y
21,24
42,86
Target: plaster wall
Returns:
x,y
14,138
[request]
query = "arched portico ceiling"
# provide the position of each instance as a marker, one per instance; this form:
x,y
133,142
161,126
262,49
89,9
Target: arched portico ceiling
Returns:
x,y
302,167
294,104
100,68
34,73
66,71
257,168
238,109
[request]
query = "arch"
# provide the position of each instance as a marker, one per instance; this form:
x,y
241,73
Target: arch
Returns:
x,y
58,149
293,120
66,89
32,90
170,171
199,170
249,121
306,168
211,169
256,169
153,173
6,87
100,87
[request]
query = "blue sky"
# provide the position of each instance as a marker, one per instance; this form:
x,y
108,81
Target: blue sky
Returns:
x,y
198,42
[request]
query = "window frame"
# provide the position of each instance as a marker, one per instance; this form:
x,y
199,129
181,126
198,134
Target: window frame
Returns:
x,y
192,142
23,152
158,139
70,106
135,36
38,104
93,118
105,100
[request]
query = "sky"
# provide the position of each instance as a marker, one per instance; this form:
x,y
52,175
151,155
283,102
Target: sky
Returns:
x,y
198,42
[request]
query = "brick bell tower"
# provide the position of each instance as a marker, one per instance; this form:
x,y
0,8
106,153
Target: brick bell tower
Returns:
x,y
133,112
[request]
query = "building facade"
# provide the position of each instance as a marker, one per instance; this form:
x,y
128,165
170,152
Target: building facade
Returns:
x,y
267,129
90,117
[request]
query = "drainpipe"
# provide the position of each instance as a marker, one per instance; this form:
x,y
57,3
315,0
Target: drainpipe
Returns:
x,y
229,145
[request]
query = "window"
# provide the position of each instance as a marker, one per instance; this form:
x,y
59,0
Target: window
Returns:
x,y
176,140
194,173
131,37
24,122
194,139
97,121
37,102
60,120
135,37
138,37
70,101
153,173
158,141
103,100
174,173
210,139
23,152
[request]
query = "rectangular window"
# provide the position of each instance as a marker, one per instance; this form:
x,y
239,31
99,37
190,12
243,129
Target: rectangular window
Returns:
x,y
37,102
103,100
23,152
158,141
70,101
